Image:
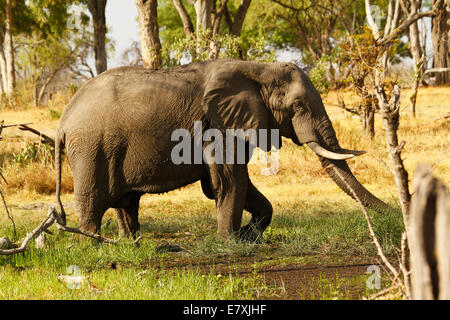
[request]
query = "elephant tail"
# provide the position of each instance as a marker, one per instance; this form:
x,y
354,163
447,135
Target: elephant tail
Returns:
x,y
59,143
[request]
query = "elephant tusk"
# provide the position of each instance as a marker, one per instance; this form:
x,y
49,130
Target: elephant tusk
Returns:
x,y
328,154
354,152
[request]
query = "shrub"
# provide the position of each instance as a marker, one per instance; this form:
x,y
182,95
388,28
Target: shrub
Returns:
x,y
38,178
318,75
34,152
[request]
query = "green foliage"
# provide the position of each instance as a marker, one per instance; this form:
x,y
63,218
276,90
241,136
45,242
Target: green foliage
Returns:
x,y
359,54
318,75
24,20
225,46
307,25
48,17
54,114
32,153
252,45
169,22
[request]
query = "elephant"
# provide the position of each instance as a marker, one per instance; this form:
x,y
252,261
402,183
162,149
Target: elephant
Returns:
x,y
117,133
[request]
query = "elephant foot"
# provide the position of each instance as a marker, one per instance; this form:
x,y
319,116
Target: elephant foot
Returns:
x,y
91,228
90,223
127,227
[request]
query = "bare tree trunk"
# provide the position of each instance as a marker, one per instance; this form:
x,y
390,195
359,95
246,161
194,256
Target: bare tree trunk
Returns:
x,y
9,51
429,237
149,32
3,71
97,9
418,73
203,10
368,121
238,22
440,34
208,16
40,94
391,119
187,24
4,83
416,50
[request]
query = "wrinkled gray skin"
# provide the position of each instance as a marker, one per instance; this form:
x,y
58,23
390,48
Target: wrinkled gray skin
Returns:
x,y
117,133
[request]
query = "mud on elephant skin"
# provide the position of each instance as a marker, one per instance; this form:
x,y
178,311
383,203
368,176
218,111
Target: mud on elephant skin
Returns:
x,y
117,133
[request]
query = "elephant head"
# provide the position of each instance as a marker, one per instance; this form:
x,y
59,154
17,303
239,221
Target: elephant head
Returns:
x,y
280,96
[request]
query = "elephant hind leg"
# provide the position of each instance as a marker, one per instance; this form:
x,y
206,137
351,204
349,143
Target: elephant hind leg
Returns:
x,y
127,214
91,210
261,209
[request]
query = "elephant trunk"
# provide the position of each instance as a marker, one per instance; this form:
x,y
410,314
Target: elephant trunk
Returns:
x,y
341,174
318,133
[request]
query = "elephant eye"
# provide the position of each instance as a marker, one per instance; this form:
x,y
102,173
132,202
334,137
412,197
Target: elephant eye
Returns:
x,y
299,107
302,107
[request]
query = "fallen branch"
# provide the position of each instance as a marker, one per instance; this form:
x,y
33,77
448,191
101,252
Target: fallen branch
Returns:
x,y
13,125
48,221
92,235
53,217
45,138
61,226
447,115
436,70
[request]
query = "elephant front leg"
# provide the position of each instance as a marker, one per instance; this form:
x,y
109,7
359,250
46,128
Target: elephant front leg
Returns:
x,y
261,209
229,184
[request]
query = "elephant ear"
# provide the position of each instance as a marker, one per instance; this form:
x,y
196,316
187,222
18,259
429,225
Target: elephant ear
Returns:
x,y
232,101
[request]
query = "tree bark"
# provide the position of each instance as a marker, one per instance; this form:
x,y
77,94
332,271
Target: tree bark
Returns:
x,y
440,33
391,119
9,51
4,82
429,237
149,32
40,95
368,121
238,22
97,9
416,52
187,23
203,10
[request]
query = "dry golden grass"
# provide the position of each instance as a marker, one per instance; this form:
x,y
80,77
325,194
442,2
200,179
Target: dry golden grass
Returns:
x,y
37,178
